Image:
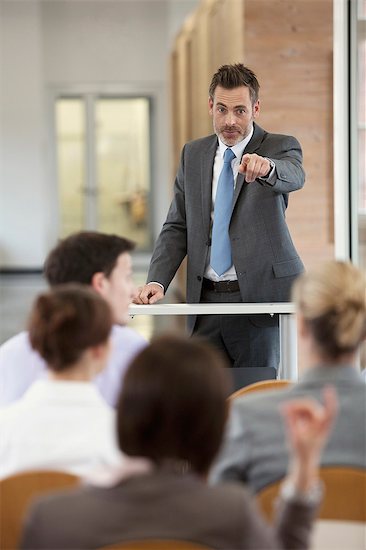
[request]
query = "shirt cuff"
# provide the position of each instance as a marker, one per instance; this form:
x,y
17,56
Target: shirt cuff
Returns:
x,y
156,283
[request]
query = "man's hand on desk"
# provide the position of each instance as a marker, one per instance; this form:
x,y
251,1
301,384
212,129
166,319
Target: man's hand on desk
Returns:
x,y
148,294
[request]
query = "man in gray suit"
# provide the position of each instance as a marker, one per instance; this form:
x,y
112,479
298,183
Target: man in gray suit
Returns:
x,y
259,260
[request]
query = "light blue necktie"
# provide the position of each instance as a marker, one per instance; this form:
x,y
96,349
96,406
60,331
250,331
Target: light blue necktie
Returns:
x,y
221,259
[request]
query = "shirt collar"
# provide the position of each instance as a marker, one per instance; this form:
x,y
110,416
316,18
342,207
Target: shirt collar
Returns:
x,y
331,374
237,149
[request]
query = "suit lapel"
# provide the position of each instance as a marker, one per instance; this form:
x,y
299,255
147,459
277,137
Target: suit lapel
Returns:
x,y
206,182
252,146
256,140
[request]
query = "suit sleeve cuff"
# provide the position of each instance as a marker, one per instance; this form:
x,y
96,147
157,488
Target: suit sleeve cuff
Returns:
x,y
271,178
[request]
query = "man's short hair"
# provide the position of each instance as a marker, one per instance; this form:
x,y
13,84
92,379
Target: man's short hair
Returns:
x,y
173,405
78,257
233,76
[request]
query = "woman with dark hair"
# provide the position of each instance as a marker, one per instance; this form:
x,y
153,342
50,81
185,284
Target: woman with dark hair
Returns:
x,y
171,418
62,423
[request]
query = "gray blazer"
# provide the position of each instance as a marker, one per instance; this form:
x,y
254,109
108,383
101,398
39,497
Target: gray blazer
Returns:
x,y
162,505
254,449
262,249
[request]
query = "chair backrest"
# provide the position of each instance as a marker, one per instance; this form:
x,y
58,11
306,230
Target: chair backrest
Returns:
x,y
344,495
261,386
17,491
156,544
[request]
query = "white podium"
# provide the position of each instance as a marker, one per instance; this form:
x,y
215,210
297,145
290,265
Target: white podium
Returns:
x,y
287,323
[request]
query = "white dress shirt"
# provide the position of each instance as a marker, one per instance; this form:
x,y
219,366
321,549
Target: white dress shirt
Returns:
x,y
20,365
238,150
58,425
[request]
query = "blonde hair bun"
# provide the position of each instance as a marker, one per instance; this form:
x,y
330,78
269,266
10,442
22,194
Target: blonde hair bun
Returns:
x,y
332,300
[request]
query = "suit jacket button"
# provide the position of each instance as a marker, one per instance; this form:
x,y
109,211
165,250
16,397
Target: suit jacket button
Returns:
x,y
199,278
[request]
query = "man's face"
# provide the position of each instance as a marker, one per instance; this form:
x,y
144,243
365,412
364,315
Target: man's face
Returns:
x,y
232,114
118,289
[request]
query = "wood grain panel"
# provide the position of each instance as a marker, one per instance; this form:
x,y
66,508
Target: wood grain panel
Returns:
x,y
289,44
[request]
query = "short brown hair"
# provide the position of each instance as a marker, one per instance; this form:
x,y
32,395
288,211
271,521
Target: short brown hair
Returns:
x,y
332,300
233,76
65,322
78,257
173,403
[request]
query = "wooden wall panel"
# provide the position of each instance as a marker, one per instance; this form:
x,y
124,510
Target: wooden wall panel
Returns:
x,y
212,36
201,122
226,32
289,44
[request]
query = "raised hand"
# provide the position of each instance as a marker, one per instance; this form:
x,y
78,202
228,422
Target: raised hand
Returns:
x,y
308,426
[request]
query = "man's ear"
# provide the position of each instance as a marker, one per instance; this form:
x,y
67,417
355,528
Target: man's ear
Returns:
x,y
256,109
210,105
98,282
101,350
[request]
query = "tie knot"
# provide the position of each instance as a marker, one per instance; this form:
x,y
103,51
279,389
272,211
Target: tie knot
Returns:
x,y
228,156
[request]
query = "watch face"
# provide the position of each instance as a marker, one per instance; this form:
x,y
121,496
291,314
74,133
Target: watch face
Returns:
x,y
313,496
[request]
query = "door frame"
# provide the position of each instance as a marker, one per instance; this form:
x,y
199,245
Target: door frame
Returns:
x,y
159,160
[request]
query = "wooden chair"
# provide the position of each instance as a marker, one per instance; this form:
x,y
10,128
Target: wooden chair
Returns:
x,y
16,492
156,544
344,495
261,386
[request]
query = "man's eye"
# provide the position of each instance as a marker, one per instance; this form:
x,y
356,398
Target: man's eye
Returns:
x,y
241,111
221,109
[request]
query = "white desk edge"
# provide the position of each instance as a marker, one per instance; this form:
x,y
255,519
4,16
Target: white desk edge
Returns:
x,y
285,310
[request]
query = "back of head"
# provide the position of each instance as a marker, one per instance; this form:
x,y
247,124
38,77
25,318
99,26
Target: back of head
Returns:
x,y
332,301
233,76
78,257
173,407
65,322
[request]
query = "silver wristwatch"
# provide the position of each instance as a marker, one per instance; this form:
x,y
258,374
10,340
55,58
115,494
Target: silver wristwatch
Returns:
x,y
312,497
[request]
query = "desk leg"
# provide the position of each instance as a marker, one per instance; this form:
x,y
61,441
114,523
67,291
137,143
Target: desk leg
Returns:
x,y
288,347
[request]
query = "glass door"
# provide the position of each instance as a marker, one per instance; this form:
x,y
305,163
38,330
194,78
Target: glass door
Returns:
x,y
71,151
103,165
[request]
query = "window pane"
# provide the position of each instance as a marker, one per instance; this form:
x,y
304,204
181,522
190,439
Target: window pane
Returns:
x,y
362,83
123,167
361,152
70,130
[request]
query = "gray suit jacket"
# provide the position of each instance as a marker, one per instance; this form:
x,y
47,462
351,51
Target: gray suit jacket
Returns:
x,y
162,505
254,449
264,256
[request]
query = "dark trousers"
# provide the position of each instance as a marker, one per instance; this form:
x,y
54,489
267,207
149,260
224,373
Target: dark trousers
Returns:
x,y
246,340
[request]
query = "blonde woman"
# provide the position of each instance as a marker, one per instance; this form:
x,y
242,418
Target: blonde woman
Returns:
x,y
331,317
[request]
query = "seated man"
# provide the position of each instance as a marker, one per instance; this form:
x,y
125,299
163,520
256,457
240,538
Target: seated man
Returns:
x,y
331,315
103,262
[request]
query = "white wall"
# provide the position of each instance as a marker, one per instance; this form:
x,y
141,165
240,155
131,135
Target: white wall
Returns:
x,y
22,227
47,46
